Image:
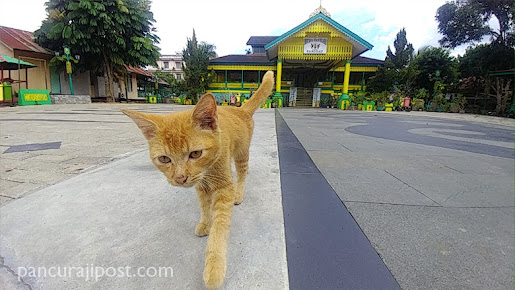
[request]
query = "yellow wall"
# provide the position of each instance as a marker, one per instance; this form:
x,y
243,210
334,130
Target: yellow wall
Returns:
x,y
39,77
5,50
134,81
337,47
134,93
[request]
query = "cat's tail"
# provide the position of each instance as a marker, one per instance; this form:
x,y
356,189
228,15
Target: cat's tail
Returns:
x,y
264,90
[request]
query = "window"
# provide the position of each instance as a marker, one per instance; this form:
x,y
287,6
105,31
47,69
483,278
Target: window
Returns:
x,y
338,77
355,78
178,65
258,49
234,76
220,76
178,76
166,64
250,76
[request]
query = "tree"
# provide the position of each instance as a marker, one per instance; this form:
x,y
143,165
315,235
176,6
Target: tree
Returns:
x,y
107,34
384,79
196,60
165,76
435,64
476,65
397,68
467,21
176,86
403,51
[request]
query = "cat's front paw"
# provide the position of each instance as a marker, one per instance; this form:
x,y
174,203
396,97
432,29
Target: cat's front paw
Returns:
x,y
238,199
202,229
214,273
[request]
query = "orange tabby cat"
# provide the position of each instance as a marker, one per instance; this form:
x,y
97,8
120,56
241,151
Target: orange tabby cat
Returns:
x,y
195,148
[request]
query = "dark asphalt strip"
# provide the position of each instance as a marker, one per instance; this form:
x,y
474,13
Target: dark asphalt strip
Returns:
x,y
326,249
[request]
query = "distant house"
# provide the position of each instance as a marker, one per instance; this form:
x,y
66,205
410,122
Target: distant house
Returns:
x,y
171,63
20,44
139,83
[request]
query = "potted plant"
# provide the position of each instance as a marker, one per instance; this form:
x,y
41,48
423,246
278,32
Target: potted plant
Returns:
x,y
439,103
333,101
380,99
418,104
324,101
457,105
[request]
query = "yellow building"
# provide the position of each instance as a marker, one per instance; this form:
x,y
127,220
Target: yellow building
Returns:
x,y
19,44
317,61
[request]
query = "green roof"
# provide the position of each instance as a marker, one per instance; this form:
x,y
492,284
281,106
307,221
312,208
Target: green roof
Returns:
x,y
335,24
11,63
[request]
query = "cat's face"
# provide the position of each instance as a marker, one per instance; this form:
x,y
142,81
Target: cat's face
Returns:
x,y
182,145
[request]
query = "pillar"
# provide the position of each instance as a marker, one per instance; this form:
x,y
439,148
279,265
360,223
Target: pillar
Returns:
x,y
279,75
344,100
278,97
346,77
362,81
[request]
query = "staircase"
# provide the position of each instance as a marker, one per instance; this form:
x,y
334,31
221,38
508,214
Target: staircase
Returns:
x,y
304,97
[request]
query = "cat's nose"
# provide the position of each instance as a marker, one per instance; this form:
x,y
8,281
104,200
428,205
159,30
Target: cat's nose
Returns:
x,y
181,179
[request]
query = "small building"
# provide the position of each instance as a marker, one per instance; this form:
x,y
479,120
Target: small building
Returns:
x,y
20,44
139,83
170,63
318,58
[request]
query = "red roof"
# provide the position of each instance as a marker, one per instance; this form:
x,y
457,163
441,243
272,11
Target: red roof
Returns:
x,y
20,40
138,70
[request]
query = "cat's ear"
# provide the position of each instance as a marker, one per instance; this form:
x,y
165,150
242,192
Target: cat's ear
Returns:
x,y
144,122
205,114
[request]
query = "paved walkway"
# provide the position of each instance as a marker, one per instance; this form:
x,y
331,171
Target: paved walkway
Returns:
x,y
87,135
124,214
433,194
427,202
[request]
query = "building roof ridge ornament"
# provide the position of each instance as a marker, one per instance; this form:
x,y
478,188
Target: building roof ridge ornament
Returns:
x,y
320,9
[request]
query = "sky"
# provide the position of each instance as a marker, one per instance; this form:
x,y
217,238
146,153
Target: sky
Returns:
x,y
228,24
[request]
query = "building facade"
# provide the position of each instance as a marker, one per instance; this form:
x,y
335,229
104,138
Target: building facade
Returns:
x,y
318,59
170,63
136,84
20,45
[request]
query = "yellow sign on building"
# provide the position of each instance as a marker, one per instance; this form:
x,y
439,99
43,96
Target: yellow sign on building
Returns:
x,y
33,97
36,97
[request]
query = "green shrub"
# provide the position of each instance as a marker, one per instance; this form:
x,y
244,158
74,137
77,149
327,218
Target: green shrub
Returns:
x,y
457,104
380,98
418,104
358,98
422,94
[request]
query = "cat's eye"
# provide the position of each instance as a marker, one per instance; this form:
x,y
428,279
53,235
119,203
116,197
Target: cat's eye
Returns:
x,y
195,154
164,159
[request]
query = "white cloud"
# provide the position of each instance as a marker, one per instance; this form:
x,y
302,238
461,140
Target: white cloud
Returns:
x,y
23,14
229,23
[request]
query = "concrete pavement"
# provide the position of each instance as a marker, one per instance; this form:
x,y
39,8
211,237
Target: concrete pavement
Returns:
x,y
124,214
433,197
89,135
430,194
